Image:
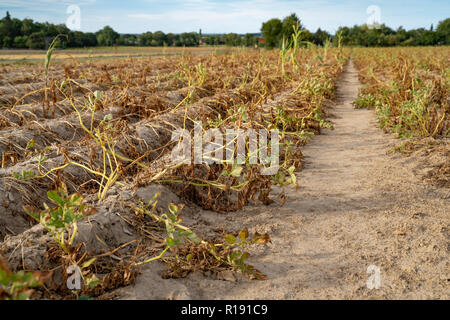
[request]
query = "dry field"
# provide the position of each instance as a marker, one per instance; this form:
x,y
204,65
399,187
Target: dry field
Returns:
x,y
87,180
85,148
8,56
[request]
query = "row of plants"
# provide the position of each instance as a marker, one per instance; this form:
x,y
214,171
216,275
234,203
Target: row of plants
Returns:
x,y
408,88
285,90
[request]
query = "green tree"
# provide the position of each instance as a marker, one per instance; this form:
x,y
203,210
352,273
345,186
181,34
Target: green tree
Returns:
x,y
272,31
289,23
89,39
19,33
16,28
127,40
428,38
217,40
75,39
401,35
171,39
232,39
189,39
6,28
36,41
319,37
250,40
49,30
7,42
20,42
107,36
145,39
392,40
160,38
28,27
443,32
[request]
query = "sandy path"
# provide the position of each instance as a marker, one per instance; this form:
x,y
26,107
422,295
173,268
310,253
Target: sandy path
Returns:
x,y
357,206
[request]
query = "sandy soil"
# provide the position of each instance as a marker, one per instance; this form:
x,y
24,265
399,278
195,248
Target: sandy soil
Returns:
x,y
357,206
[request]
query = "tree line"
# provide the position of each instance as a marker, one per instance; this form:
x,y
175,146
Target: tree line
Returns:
x,y
275,30
16,33
26,33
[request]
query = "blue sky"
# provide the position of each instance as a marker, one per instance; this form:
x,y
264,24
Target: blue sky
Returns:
x,y
218,16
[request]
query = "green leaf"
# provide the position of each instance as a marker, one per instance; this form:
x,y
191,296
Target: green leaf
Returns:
x,y
193,237
108,117
173,209
293,179
92,281
28,277
170,228
171,242
28,175
22,296
30,144
42,159
4,280
75,200
230,239
55,198
244,257
47,60
237,172
155,197
25,175
98,95
88,263
235,255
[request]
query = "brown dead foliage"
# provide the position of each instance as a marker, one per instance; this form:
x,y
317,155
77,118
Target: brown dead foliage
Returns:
x,y
142,103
